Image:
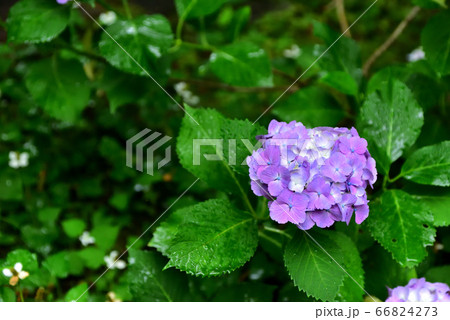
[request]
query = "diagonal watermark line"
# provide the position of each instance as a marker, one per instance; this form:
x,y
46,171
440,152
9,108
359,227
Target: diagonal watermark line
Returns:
x,y
146,230
134,60
314,62
318,244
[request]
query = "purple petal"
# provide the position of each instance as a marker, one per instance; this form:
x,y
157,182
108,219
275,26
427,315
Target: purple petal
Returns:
x,y
322,218
278,212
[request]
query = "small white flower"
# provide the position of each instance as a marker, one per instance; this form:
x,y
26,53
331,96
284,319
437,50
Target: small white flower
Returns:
x,y
111,262
18,160
113,297
86,239
15,273
108,18
188,96
416,55
293,52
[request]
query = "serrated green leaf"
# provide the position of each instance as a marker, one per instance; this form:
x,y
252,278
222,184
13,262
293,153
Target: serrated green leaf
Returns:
x,y
214,238
311,269
435,39
149,283
73,227
36,20
341,81
391,120
220,174
242,64
145,38
60,87
424,88
402,225
312,106
437,201
429,165
197,8
352,287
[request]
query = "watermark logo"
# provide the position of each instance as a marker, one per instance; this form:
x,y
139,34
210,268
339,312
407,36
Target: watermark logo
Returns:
x,y
144,152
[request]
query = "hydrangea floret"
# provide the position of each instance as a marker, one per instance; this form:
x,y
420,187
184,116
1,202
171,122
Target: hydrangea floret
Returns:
x,y
312,176
419,290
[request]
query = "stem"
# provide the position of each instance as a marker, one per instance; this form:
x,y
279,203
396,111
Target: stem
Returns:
x,y
21,293
203,38
390,40
183,18
265,236
340,10
395,179
274,230
127,9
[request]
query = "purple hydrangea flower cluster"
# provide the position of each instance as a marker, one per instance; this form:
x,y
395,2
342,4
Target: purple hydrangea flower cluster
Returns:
x,y
419,290
312,176
62,1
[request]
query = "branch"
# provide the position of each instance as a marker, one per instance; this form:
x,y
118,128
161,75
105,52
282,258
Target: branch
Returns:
x,y
340,10
397,32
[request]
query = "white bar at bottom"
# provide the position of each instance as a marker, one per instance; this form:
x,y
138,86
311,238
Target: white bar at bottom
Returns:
x,y
226,311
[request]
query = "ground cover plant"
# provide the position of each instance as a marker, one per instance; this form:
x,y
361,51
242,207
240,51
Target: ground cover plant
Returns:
x,y
304,154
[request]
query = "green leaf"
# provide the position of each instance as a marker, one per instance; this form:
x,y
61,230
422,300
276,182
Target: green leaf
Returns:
x,y
7,295
439,274
49,215
309,266
343,55
430,4
429,165
350,290
341,81
437,202
219,174
391,120
242,64
11,188
214,238
425,89
402,225
73,227
92,257
122,88
145,38
435,39
149,283
197,8
312,106
58,264
25,257
60,87
36,20
75,293
105,236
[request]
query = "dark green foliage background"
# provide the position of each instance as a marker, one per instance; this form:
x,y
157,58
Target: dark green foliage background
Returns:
x,y
70,97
